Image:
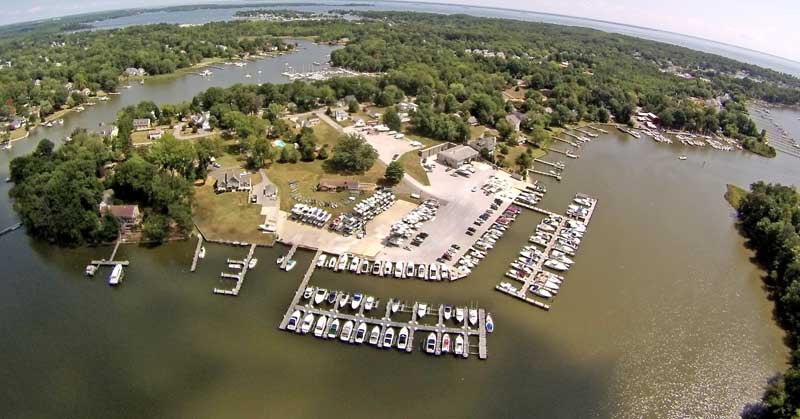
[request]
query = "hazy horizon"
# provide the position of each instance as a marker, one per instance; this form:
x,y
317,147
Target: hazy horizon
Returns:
x,y
766,28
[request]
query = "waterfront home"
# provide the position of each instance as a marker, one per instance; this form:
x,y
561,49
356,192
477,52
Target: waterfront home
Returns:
x,y
126,215
134,72
483,143
516,119
141,124
472,121
86,91
407,107
231,181
337,185
457,156
17,122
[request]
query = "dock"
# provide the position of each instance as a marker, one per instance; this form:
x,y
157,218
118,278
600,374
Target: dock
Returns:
x,y
290,255
566,153
300,289
587,133
110,261
197,252
576,145
597,129
10,229
551,164
539,172
239,278
569,134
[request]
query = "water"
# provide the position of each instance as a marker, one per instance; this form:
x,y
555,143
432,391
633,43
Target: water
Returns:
x,y
200,16
662,316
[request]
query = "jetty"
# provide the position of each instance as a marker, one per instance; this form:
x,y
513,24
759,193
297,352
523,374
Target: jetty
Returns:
x,y
197,252
551,164
538,172
238,277
587,133
290,255
597,129
566,153
111,260
567,133
576,145
10,229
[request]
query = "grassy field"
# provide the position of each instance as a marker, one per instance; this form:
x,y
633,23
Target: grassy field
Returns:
x,y
734,195
326,134
228,216
514,94
139,138
411,164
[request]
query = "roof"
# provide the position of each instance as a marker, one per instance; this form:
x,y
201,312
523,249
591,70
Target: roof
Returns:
x,y
123,211
143,121
329,183
460,153
483,142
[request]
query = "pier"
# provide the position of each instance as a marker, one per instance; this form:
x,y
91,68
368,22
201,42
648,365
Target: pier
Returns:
x,y
111,261
197,252
10,229
551,164
597,129
567,133
587,133
576,145
290,255
566,153
300,289
239,278
538,172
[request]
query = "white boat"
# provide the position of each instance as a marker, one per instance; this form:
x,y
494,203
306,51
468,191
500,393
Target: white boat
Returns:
x,y
319,297
344,300
361,333
473,316
399,269
369,302
363,268
445,272
433,273
321,261
374,335
308,320
422,271
422,309
554,264
395,306
354,264
333,329
252,263
460,314
430,343
410,271
448,312
541,292
356,300
202,253
331,263
445,343
319,328
290,265
402,339
280,260
458,348
90,270
309,291
387,268
342,263
388,338
377,268
116,275
347,330
682,158
489,323
293,319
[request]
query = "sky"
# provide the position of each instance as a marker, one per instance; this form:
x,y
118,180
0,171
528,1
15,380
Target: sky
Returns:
x,y
771,26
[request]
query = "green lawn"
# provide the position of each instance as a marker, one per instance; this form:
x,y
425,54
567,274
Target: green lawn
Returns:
x,y
411,165
326,134
228,216
734,195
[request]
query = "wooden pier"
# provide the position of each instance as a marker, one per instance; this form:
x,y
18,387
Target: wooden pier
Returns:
x,y
538,172
567,133
566,153
290,255
551,164
576,145
587,133
239,278
197,252
300,289
10,229
597,129
111,261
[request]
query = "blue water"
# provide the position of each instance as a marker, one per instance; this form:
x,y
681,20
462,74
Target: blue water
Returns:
x,y
737,53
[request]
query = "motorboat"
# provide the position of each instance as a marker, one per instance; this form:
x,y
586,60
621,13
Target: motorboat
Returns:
x,y
395,305
489,323
473,316
387,268
319,328
422,271
364,267
344,300
361,333
333,329
331,262
458,348
321,261
430,343
347,330
445,343
356,300
308,320
116,275
541,292
332,297
445,272
320,295
554,264
309,291
252,263
376,267
202,253
422,309
342,262
388,337
402,339
354,264
433,275
410,271
448,312
682,158
90,270
369,303
460,314
374,335
290,265
399,269
280,260
293,319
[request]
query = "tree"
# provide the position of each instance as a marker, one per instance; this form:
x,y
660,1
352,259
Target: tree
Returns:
x,y
391,119
259,150
504,129
353,154
394,173
156,228
352,106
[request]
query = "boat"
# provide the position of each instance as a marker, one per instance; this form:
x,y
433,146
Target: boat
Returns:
x,y
430,343
388,337
489,323
321,261
458,348
354,264
364,267
554,264
202,253
290,265
280,260
541,292
308,320
319,328
402,339
293,319
361,333
374,335
446,343
331,263
369,303
90,270
448,312
332,297
395,306
422,309
473,316
116,275
433,275
356,300
344,300
252,263
387,268
309,291
445,272
399,269
333,329
319,297
342,262
460,314
410,271
422,271
347,330
682,158
377,268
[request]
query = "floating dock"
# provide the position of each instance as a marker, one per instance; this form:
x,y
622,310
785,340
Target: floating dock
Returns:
x,y
551,164
10,229
566,153
597,129
111,261
197,252
576,145
289,256
239,278
587,133
538,172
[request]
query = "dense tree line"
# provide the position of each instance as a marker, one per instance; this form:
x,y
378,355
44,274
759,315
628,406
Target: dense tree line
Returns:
x,y
770,219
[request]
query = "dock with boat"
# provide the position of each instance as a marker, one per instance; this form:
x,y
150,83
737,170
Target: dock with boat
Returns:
x,y
239,277
197,252
566,153
9,229
288,257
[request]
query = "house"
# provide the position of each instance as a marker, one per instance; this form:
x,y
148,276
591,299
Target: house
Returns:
x,y
340,115
201,121
472,121
457,156
86,91
134,72
141,124
407,107
155,134
514,121
359,123
231,181
337,185
17,122
484,142
126,215
310,122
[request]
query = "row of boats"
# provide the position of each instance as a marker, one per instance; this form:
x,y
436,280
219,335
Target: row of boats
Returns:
x,y
488,240
412,222
402,270
307,214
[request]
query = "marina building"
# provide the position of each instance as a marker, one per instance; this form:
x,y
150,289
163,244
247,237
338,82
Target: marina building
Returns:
x,y
457,156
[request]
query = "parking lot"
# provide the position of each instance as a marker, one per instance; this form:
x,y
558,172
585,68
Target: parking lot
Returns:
x,y
386,145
